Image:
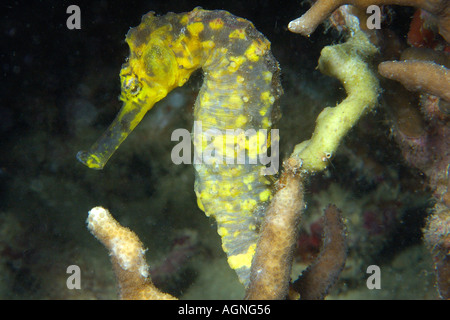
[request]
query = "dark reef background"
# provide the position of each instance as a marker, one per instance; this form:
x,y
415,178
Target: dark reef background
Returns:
x,y
60,91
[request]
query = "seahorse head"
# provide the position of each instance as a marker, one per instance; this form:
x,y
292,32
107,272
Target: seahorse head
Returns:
x,y
150,72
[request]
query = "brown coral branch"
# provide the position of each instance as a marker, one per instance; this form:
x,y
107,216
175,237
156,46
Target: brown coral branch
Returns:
x,y
322,9
318,278
127,257
271,266
419,76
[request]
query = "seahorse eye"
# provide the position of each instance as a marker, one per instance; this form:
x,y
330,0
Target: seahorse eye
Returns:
x,y
132,85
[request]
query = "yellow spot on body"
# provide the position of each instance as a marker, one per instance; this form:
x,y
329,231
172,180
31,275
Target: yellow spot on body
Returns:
x,y
229,207
238,34
242,260
233,67
266,123
208,44
248,180
195,28
222,231
225,190
267,97
267,75
268,100
205,99
263,111
249,204
236,63
234,102
257,49
184,19
240,79
224,219
199,202
216,24
265,195
212,121
241,120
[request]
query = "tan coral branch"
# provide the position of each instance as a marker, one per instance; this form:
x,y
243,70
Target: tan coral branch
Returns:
x,y
322,9
127,257
271,266
319,277
419,76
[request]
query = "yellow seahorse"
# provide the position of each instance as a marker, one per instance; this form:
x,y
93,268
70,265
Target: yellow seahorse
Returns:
x,y
240,88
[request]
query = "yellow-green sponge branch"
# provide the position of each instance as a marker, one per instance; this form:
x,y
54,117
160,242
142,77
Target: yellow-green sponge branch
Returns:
x,y
348,63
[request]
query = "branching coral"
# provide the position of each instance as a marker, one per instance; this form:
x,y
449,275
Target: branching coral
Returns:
x,y
424,70
271,265
424,142
419,76
427,147
322,9
127,257
315,282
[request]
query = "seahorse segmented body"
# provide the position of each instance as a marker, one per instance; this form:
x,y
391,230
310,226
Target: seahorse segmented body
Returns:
x,y
240,87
